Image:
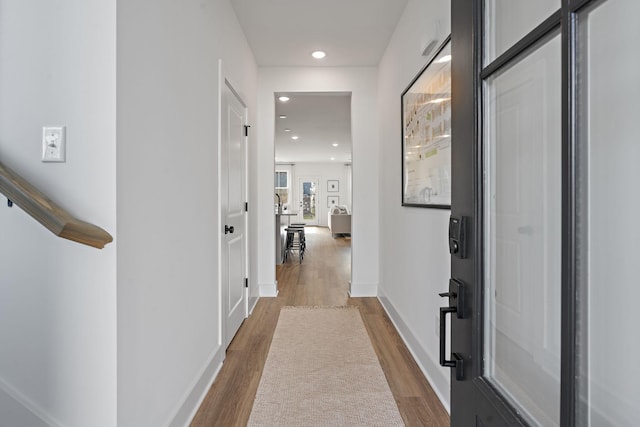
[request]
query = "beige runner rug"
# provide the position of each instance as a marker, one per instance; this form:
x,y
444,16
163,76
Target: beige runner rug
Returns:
x,y
321,370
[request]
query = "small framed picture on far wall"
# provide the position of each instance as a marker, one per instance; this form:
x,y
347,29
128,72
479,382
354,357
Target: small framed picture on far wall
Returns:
x,y
333,185
333,200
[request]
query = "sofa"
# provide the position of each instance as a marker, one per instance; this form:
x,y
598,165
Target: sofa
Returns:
x,y
339,220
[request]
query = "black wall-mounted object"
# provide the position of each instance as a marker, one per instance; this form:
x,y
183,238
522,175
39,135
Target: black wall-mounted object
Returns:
x,y
457,236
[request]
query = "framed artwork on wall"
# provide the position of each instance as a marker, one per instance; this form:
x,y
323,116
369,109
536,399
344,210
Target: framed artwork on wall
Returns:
x,y
333,200
426,134
333,185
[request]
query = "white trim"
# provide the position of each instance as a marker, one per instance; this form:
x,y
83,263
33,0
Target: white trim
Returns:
x,y
197,391
430,370
221,318
252,306
359,290
269,289
26,404
225,82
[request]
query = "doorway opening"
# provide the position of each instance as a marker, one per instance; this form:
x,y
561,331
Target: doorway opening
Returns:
x,y
313,180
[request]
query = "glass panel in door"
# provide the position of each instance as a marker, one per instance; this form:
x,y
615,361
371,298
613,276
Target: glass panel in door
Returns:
x,y
309,200
507,21
608,206
522,146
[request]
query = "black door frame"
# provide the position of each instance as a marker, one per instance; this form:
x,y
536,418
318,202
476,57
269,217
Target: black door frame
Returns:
x,y
467,98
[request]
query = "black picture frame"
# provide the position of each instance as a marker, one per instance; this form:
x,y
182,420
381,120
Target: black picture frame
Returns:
x,y
426,134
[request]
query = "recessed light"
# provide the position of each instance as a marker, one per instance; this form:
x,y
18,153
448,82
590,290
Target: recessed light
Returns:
x,y
335,144
294,137
333,158
318,54
287,130
283,98
282,116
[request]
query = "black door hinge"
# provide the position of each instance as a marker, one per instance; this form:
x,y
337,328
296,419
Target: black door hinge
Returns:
x,y
246,130
246,282
246,206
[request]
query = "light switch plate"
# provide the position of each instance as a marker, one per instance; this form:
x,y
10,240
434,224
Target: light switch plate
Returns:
x,y
54,144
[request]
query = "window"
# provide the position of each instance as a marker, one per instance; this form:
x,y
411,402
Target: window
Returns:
x,y
282,187
282,180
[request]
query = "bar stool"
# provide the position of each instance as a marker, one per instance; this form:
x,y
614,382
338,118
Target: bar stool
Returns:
x,y
303,237
294,242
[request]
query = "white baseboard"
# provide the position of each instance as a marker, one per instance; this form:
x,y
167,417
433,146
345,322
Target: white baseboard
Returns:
x,y
430,369
359,290
199,388
16,409
269,289
253,301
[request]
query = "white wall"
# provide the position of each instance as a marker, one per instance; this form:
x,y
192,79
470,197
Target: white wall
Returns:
x,y
361,82
169,343
58,298
414,258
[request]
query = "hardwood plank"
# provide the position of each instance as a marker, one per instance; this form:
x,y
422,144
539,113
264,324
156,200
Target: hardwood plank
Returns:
x,y
321,280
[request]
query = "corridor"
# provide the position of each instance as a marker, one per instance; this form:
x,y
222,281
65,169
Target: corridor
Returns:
x,y
321,280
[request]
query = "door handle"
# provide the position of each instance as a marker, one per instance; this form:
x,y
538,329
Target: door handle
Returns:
x,y
457,362
456,305
228,230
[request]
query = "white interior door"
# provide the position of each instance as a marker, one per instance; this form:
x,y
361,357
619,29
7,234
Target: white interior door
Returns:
x,y
233,158
309,200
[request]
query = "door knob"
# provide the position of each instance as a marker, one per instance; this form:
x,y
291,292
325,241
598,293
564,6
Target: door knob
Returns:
x,y
526,230
228,230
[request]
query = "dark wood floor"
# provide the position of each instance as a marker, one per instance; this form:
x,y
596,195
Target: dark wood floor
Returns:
x,y
321,280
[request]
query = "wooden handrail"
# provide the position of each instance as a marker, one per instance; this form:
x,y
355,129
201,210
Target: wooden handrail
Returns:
x,y
46,212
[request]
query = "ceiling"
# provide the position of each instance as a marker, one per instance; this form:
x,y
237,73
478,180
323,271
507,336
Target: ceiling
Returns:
x,y
319,120
283,33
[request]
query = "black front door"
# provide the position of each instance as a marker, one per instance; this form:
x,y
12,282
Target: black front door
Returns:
x,y
525,86
507,168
